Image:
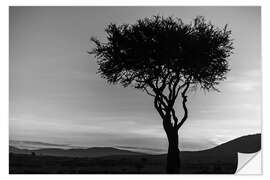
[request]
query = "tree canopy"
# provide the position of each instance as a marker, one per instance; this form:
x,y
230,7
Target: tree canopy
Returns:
x,y
159,50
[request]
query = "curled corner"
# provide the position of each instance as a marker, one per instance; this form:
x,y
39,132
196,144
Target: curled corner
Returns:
x,y
249,164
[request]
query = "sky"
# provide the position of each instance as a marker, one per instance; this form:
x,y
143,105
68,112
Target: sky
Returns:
x,y
57,97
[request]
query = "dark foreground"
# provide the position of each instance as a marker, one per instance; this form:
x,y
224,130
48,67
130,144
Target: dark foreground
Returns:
x,y
219,160
22,163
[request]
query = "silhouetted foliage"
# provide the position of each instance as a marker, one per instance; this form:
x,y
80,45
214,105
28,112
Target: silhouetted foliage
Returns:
x,y
163,57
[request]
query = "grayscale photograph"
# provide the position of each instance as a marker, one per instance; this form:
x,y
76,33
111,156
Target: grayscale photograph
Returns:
x,y
134,89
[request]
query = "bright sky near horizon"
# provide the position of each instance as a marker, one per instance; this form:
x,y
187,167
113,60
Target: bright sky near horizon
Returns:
x,y
57,97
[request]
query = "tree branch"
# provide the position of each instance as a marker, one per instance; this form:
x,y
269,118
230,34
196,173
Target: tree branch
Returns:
x,y
180,87
158,108
159,92
184,106
172,89
175,119
146,90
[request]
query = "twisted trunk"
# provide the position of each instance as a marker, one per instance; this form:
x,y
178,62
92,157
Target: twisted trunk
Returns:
x,y
165,107
173,160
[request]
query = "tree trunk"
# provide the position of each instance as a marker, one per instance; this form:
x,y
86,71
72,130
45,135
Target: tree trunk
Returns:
x,y
173,160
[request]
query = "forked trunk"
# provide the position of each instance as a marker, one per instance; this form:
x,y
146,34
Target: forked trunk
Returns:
x,y
173,160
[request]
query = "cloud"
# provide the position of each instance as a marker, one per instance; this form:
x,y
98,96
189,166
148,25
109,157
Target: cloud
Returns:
x,y
245,81
246,85
232,108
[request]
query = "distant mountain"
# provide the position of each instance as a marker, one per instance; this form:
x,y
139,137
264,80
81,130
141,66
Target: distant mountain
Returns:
x,y
31,145
18,151
35,145
89,152
142,149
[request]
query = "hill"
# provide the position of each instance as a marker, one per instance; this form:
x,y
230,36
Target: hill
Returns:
x,y
88,152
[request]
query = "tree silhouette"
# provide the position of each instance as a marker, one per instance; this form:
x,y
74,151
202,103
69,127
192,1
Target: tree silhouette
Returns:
x,y
165,57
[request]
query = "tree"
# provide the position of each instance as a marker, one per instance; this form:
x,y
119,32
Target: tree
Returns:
x,y
165,57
